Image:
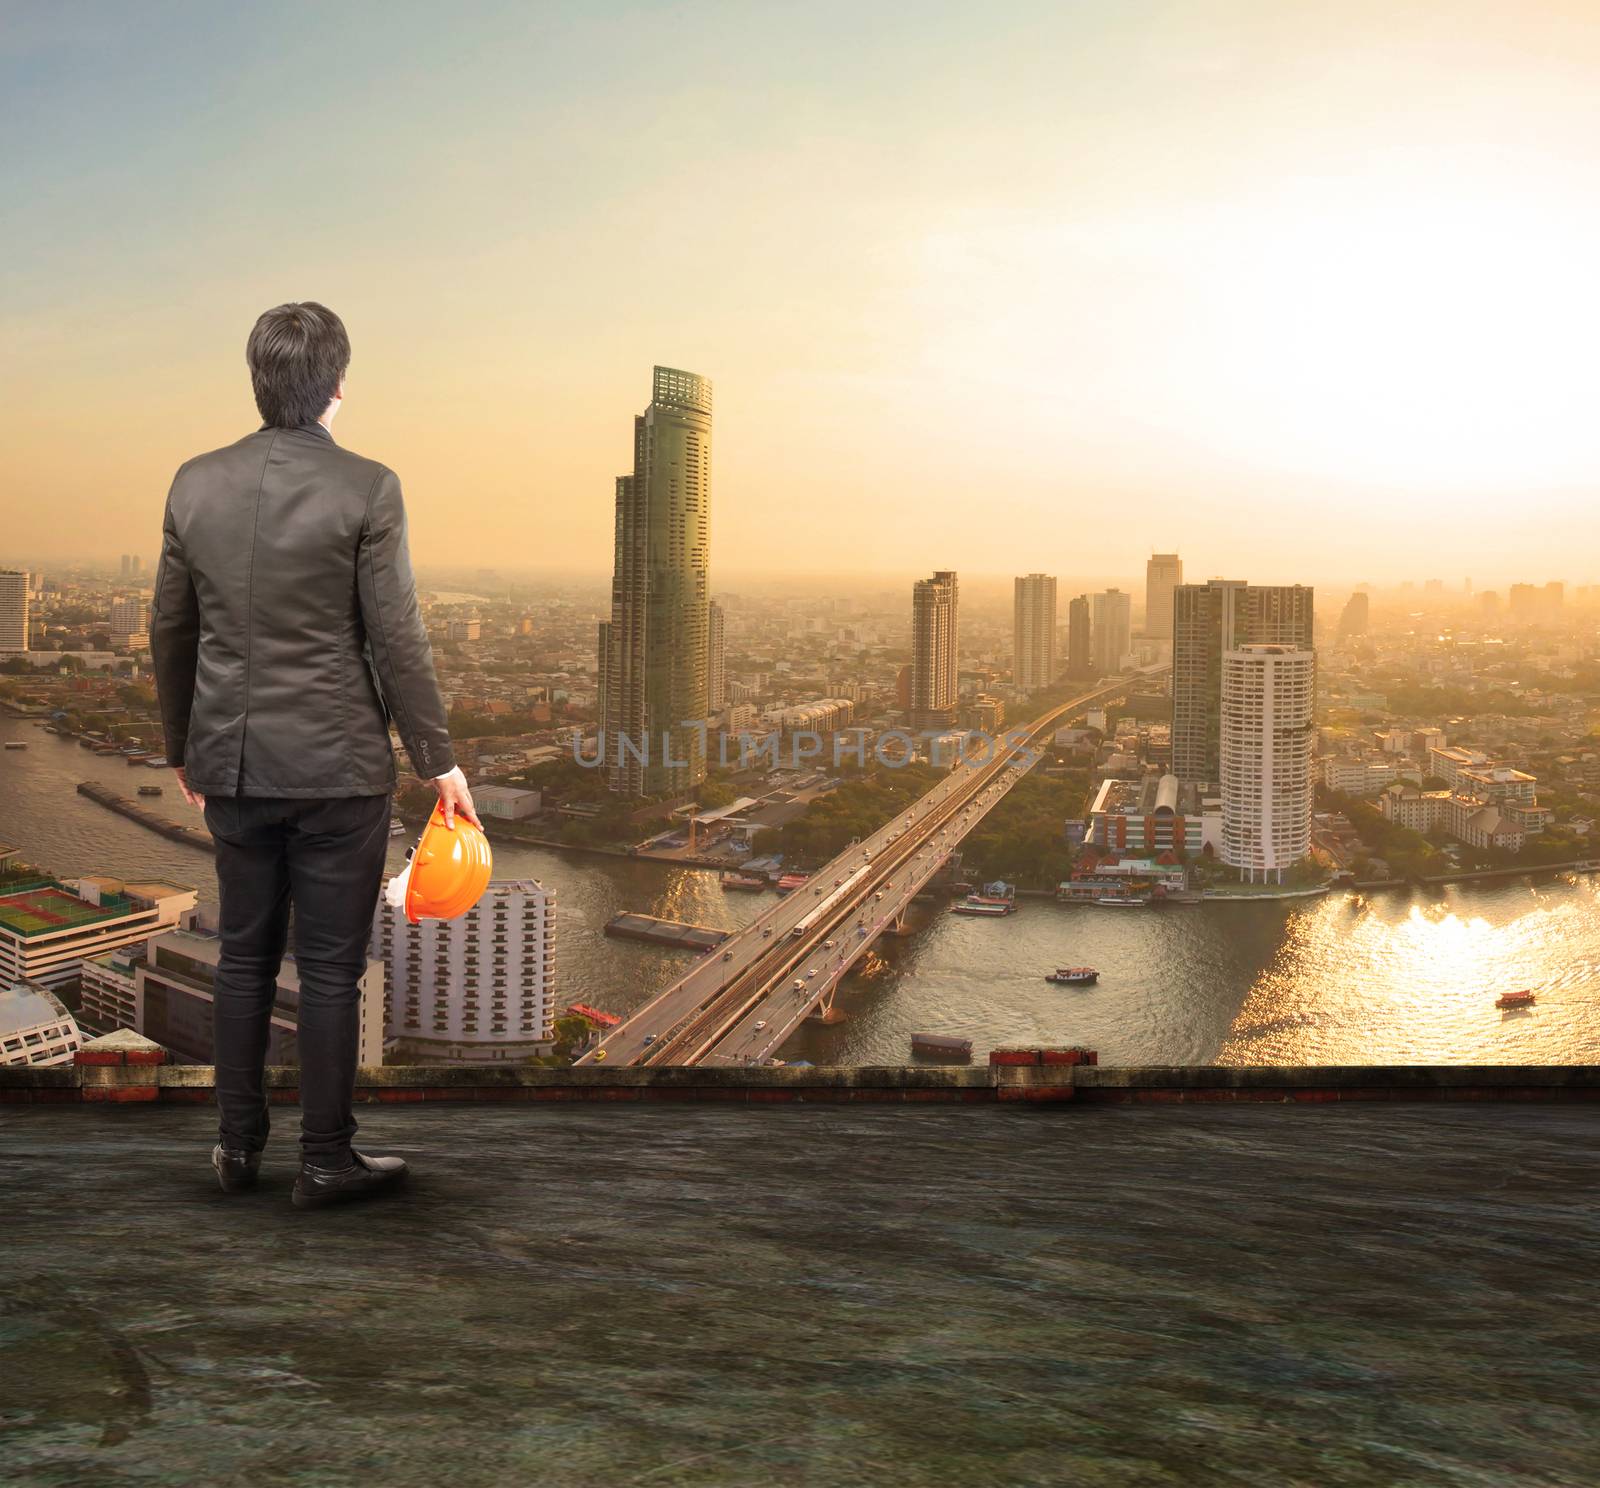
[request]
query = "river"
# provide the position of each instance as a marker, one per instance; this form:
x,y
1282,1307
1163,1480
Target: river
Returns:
x,y
1393,977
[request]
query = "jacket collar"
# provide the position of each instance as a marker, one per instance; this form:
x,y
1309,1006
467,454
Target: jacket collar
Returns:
x,y
319,430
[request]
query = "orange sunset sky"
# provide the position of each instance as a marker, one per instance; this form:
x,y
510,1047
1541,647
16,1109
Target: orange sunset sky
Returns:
x,y
1303,291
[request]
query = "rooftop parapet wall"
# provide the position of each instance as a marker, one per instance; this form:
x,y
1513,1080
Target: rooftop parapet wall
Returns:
x,y
124,1068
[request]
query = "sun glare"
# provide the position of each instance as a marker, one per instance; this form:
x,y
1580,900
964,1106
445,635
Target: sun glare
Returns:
x,y
1414,325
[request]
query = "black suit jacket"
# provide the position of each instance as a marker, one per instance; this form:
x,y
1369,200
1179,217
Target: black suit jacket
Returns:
x,y
285,630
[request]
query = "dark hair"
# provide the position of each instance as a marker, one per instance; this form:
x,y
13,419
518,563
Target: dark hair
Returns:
x,y
297,355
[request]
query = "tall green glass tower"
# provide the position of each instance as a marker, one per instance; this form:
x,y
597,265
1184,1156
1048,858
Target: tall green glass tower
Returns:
x,y
654,651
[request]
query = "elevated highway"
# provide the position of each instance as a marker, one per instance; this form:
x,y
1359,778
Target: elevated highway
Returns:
x,y
741,1001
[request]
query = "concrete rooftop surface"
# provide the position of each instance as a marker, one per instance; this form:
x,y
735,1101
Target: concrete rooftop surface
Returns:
x,y
891,1295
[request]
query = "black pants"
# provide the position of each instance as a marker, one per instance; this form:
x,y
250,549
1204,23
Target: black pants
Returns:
x,y
327,858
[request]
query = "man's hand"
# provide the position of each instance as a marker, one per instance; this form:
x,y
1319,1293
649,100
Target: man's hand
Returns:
x,y
454,796
194,798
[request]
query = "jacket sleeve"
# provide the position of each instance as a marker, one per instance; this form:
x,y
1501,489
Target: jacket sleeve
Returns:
x,y
174,639
402,659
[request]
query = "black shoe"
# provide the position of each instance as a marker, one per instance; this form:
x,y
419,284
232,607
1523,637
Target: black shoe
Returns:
x,y
365,1176
237,1170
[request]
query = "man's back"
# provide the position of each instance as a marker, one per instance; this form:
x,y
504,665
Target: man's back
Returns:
x,y
284,628
285,593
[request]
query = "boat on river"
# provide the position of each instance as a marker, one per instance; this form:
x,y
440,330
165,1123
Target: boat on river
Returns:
x,y
974,906
1509,1000
731,878
941,1045
1073,976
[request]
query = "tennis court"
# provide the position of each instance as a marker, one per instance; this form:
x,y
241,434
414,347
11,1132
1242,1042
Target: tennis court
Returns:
x,y
38,911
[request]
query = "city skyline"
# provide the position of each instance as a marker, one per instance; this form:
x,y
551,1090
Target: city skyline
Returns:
x,y
1257,273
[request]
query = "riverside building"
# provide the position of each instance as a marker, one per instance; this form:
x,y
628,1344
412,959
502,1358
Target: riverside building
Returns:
x,y
479,988
1268,732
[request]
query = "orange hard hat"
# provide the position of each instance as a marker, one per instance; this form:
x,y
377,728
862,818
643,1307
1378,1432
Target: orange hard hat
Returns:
x,y
447,873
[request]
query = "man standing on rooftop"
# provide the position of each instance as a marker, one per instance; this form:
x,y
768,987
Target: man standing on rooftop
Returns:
x,y
286,636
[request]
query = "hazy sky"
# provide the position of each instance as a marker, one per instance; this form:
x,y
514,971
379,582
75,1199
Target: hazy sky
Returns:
x,y
1303,290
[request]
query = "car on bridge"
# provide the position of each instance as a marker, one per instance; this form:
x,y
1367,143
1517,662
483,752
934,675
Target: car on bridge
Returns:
x,y
760,1024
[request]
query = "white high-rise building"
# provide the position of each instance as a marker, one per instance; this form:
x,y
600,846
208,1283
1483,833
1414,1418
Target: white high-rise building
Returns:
x,y
477,988
1268,731
130,625
13,611
1034,657
1162,575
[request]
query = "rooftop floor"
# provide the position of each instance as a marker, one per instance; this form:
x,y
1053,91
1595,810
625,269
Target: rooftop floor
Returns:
x,y
676,1295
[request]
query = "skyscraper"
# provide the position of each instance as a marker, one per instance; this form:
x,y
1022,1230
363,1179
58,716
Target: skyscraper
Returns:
x,y
1112,631
655,664
13,610
716,659
1162,574
1209,620
1034,656
1268,694
935,647
1355,617
1080,658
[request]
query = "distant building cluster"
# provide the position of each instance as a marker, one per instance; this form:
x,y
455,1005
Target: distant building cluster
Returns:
x,y
1483,802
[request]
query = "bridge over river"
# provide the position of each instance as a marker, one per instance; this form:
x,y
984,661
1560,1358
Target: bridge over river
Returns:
x,y
741,1001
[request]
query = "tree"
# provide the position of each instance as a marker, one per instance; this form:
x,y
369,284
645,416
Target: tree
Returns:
x,y
571,1034
714,794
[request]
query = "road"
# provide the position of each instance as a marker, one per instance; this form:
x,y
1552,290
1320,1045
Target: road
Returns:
x,y
742,1000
